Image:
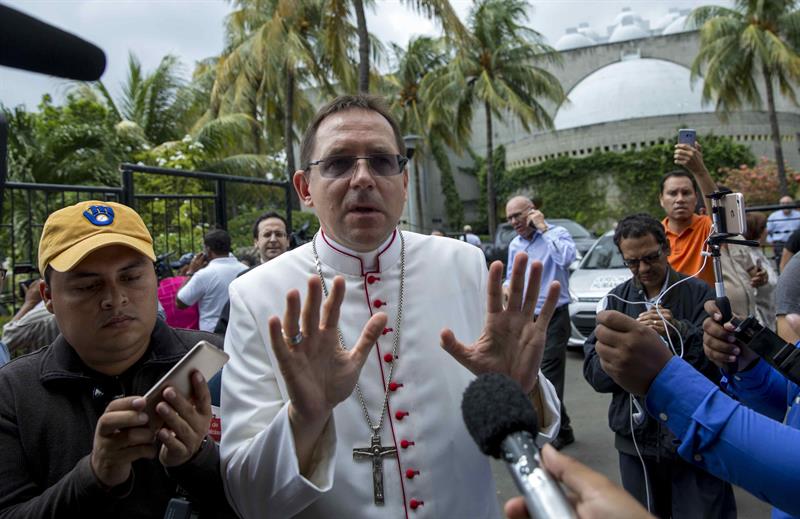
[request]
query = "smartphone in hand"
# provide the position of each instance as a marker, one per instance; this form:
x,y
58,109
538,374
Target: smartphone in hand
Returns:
x,y
687,136
203,357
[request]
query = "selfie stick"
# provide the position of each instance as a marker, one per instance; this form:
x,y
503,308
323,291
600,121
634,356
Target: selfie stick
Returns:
x,y
715,241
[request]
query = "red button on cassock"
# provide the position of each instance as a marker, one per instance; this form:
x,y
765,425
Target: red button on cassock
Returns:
x,y
372,279
406,444
387,330
410,473
388,357
378,303
400,414
394,386
414,504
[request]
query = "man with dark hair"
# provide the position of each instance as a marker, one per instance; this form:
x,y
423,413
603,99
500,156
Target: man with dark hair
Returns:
x,y
75,440
317,424
208,277
270,236
672,305
679,195
271,240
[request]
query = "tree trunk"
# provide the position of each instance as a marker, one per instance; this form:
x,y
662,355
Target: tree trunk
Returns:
x,y
288,134
288,123
421,227
776,136
491,200
363,47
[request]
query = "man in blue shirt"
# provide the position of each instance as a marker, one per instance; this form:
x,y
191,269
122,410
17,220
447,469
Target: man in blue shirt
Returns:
x,y
781,224
743,443
554,248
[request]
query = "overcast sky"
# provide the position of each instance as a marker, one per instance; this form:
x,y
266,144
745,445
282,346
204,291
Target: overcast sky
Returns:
x,y
193,29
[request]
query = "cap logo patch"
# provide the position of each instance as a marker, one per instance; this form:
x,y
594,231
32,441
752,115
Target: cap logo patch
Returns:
x,y
99,215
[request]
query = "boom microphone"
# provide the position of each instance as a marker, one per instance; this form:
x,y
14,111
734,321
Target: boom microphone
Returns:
x,y
503,423
31,44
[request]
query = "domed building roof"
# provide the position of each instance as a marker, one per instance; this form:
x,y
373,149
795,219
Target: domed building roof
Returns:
x,y
573,40
679,25
667,19
631,89
628,29
626,11
583,28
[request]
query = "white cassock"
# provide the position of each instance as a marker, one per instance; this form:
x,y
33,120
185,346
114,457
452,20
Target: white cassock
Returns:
x,y
438,471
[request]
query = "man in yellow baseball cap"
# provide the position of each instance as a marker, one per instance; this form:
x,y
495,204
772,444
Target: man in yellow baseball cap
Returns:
x,y
81,442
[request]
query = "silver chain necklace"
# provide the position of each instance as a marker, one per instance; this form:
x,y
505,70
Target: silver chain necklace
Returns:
x,y
375,451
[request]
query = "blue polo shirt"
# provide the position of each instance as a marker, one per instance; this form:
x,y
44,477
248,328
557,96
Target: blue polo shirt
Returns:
x,y
556,250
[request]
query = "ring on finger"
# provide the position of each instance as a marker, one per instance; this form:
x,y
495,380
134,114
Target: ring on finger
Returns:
x,y
295,340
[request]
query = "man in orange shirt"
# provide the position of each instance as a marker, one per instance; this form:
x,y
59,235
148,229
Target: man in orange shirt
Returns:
x,y
687,231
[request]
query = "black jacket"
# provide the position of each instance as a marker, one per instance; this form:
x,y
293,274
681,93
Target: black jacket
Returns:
x,y
685,301
50,402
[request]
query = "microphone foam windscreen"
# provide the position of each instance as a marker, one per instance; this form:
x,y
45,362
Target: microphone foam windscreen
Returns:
x,y
493,407
30,44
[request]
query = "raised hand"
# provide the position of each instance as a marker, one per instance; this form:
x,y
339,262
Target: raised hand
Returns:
x,y
318,373
121,437
186,422
512,342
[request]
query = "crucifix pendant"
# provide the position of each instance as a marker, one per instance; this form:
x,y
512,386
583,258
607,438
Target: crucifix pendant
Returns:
x,y
377,453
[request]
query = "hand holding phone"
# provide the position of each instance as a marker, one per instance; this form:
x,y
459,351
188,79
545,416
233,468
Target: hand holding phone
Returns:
x,y
179,404
203,357
687,136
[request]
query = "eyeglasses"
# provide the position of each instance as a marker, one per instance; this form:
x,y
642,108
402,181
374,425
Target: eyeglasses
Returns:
x,y
341,166
649,259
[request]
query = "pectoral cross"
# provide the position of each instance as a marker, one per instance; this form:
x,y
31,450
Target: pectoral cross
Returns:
x,y
377,453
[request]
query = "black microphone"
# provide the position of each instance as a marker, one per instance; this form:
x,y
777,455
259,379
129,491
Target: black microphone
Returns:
x,y
503,423
31,44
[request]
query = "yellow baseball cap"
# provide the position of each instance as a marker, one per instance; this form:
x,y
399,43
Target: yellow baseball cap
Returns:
x,y
72,233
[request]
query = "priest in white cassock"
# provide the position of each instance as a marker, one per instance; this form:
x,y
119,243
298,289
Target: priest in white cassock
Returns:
x,y
355,410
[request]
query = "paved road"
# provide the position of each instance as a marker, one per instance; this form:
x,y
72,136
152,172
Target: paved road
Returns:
x,y
595,442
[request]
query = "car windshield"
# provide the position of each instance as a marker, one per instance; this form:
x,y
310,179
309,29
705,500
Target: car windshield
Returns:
x,y
574,229
604,255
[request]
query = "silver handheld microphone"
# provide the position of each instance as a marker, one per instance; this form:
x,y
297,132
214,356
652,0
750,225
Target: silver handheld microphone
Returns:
x,y
503,423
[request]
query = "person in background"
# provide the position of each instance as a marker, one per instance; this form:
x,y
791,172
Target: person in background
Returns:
x,y
470,237
554,247
168,286
32,327
437,232
687,231
781,224
763,276
270,239
673,488
210,273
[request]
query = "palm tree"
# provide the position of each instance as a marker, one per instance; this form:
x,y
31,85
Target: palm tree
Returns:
x,y
440,10
755,37
416,115
155,101
273,62
496,67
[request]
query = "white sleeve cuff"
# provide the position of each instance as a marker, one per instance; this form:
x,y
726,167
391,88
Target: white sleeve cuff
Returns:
x,y
550,422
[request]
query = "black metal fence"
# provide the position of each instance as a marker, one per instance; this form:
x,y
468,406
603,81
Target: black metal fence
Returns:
x,y
178,207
